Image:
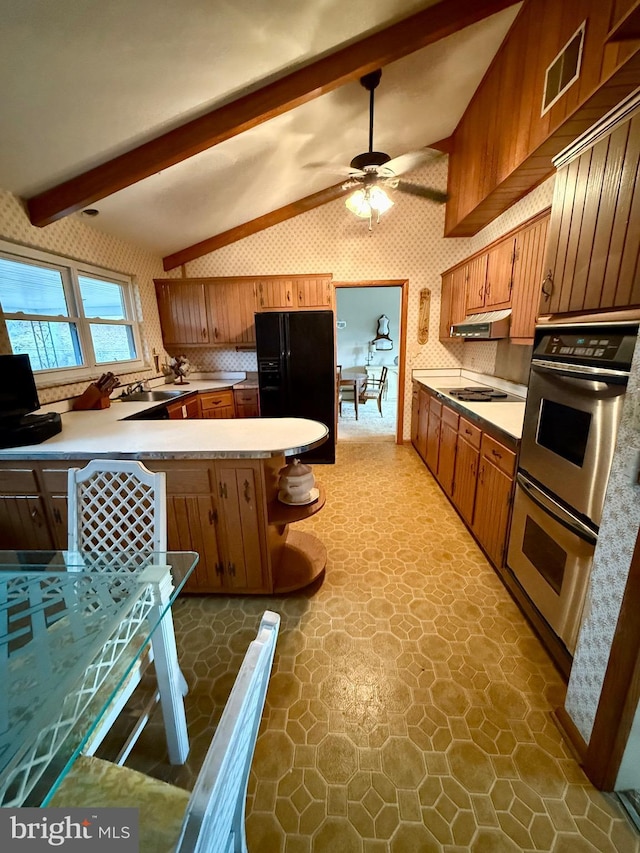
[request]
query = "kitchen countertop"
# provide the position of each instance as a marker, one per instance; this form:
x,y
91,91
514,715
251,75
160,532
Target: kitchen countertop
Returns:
x,y
103,434
506,417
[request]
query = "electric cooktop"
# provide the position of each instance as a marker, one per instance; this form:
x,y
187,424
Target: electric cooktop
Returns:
x,y
483,394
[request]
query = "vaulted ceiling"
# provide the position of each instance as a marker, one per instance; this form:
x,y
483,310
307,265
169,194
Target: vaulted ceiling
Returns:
x,y
184,120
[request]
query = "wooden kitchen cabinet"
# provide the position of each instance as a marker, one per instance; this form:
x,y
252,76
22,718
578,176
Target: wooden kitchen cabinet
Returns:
x,y
447,453
509,273
466,470
415,414
423,422
453,300
315,292
183,312
24,520
493,498
528,271
224,509
593,248
246,402
432,451
242,523
231,308
276,294
287,293
476,283
217,404
499,275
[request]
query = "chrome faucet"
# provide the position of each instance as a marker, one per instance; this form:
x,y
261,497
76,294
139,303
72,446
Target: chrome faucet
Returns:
x,y
132,388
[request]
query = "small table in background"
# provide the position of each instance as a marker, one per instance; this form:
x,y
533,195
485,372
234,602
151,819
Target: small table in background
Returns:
x,y
357,383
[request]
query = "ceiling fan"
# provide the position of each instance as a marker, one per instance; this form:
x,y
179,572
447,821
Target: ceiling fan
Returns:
x,y
371,171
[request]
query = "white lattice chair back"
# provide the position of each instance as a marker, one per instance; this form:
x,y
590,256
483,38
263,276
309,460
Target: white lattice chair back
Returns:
x,y
117,505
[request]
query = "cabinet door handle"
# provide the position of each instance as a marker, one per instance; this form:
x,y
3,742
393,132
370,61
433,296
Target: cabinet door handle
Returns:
x,y
35,515
481,477
57,516
204,333
223,489
213,516
547,285
481,291
488,289
215,331
247,492
219,569
231,568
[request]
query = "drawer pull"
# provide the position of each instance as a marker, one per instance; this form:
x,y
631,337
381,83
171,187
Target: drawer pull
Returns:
x,y
468,432
496,454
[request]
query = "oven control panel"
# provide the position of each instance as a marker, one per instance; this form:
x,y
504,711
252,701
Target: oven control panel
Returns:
x,y
592,345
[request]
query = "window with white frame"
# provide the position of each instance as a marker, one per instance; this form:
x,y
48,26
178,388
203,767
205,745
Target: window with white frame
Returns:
x,y
72,319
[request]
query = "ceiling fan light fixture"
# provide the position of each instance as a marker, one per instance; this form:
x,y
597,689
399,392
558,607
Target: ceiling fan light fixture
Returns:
x,y
368,201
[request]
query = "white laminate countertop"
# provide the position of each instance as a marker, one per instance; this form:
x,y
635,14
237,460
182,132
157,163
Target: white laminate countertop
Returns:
x,y
507,417
103,434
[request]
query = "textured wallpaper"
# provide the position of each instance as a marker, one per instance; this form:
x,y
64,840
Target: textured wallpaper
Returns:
x,y
75,238
406,244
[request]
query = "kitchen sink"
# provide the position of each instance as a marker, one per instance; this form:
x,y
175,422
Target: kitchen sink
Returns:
x,y
151,396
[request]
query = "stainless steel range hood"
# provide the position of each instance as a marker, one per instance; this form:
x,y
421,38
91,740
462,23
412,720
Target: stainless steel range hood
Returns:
x,y
487,326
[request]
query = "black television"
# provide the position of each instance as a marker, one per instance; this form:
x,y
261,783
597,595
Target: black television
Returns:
x,y
18,399
18,392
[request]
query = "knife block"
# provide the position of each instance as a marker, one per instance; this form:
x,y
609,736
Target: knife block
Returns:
x,y
92,398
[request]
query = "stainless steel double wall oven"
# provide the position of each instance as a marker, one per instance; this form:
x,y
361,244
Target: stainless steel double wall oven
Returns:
x,y
577,383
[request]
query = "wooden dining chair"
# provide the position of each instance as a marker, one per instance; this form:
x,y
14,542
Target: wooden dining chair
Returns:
x,y
212,818
117,514
374,389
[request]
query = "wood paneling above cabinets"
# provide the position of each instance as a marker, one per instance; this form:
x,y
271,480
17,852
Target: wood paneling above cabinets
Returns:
x,y
504,145
506,274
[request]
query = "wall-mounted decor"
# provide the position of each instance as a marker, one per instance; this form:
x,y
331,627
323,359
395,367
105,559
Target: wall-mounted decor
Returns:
x,y
382,339
423,315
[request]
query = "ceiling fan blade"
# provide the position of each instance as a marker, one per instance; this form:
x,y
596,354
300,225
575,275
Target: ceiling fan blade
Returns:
x,y
422,192
411,160
331,168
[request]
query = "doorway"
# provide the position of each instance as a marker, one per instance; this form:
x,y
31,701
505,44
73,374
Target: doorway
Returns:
x,y
363,345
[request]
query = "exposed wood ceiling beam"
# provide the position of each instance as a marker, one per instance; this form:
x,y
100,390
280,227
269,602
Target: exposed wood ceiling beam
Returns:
x,y
303,85
252,227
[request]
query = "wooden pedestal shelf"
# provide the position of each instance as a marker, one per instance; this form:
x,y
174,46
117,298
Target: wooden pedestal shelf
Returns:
x,y
279,513
298,558
303,559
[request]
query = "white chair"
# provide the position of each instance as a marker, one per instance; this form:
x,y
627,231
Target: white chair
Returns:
x,y
211,819
117,511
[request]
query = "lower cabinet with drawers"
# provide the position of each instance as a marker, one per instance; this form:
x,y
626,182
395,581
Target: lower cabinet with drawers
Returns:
x,y
225,509
474,468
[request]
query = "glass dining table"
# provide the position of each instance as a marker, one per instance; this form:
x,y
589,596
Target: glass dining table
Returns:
x,y
73,626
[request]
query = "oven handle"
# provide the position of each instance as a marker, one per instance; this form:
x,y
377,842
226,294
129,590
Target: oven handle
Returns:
x,y
545,502
581,371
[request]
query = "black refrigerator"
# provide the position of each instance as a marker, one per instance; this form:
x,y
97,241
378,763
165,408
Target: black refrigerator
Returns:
x,y
297,371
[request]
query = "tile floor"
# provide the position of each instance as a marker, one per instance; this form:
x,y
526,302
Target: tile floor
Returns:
x,y
409,706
